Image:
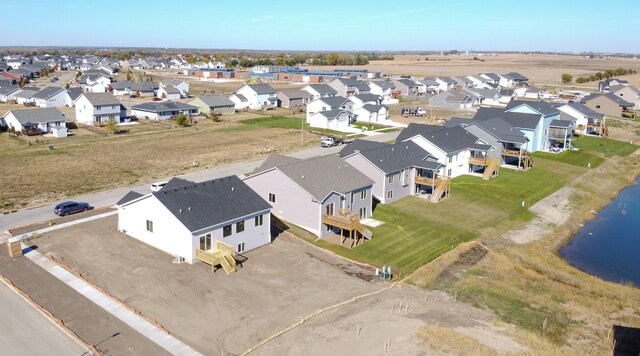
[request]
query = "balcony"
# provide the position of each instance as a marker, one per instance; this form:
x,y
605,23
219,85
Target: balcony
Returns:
x,y
428,181
478,161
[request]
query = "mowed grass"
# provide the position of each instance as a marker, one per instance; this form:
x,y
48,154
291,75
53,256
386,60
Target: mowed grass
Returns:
x,y
592,151
415,231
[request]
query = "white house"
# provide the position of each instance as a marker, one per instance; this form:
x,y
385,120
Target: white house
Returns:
x,y
24,97
181,85
240,101
330,103
320,90
588,122
334,119
259,96
37,120
169,92
9,92
186,219
51,97
98,108
371,113
383,88
162,110
94,83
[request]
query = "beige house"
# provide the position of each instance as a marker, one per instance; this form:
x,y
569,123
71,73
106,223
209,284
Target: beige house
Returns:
x,y
609,104
628,93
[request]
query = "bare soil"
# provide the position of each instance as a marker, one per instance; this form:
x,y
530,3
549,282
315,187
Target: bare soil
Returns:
x,y
277,286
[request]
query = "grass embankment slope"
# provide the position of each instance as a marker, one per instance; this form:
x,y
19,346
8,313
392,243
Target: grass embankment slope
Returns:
x,y
529,286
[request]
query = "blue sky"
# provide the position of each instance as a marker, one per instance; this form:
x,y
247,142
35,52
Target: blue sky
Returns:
x,y
502,25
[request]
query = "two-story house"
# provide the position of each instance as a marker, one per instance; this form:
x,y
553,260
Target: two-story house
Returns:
x,y
99,108
259,96
347,86
323,195
318,91
333,112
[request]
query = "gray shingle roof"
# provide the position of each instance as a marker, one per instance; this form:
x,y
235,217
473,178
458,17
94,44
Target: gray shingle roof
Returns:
x,y
334,101
295,93
331,114
214,101
448,139
366,97
9,89
399,156
373,107
74,93
519,120
562,123
359,145
274,160
40,115
515,76
384,84
262,88
407,82
47,92
100,99
586,111
323,89
26,94
163,106
241,97
213,202
129,197
611,96
176,182
359,84
542,107
319,176
501,130
416,129
170,89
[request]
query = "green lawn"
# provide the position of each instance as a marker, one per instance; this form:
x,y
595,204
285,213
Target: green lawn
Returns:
x,y
591,151
284,123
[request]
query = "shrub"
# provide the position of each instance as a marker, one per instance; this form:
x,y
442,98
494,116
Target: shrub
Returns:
x,y
182,120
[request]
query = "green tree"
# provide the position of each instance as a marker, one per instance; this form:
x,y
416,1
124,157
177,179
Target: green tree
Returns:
x,y
111,126
566,78
66,86
182,120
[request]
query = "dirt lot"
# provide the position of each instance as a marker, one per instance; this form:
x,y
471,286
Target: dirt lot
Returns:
x,y
277,286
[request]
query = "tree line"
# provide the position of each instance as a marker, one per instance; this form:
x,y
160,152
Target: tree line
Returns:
x,y
568,78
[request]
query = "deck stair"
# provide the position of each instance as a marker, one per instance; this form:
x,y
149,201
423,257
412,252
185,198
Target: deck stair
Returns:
x,y
441,190
491,170
349,221
222,255
526,161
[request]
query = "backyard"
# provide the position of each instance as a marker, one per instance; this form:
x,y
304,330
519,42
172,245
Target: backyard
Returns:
x,y
416,232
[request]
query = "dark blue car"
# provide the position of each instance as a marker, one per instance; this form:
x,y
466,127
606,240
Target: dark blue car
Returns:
x,y
70,207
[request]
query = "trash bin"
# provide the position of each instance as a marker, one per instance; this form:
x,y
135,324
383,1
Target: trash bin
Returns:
x,y
14,245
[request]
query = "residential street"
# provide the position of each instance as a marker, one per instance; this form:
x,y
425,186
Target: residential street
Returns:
x,y
26,331
107,198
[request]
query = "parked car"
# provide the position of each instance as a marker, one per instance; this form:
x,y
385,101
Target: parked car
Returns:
x,y
157,99
70,207
157,186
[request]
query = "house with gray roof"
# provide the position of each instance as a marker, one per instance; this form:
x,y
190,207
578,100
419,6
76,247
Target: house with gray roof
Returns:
x,y
51,97
190,221
36,121
168,92
162,110
609,104
259,96
491,77
371,113
512,79
458,150
240,101
24,97
428,85
605,85
214,104
398,170
628,93
383,88
406,87
73,95
347,86
587,121
454,99
446,83
320,91
323,195
181,85
9,92
293,98
333,112
99,109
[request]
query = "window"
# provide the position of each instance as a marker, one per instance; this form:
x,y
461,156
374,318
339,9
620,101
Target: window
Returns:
x,y
98,108
353,197
241,247
363,195
272,198
391,178
329,209
449,172
450,159
258,220
597,106
226,231
149,225
363,212
390,194
205,242
240,226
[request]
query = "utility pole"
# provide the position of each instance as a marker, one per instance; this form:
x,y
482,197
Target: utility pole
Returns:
x,y
302,131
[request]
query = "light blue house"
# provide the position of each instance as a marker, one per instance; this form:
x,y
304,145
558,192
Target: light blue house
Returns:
x,y
539,141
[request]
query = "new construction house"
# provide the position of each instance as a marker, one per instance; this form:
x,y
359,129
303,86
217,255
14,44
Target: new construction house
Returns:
x,y
398,170
324,195
210,221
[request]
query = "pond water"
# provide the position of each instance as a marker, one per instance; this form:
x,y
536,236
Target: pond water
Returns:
x,y
609,245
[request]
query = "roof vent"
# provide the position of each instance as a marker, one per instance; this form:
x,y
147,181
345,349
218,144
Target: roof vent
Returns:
x,y
180,211
302,177
233,189
189,208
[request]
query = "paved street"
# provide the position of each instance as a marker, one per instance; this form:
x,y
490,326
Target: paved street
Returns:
x,y
107,198
25,331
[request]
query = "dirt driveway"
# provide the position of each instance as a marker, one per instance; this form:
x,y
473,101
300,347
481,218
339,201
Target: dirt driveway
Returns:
x,y
277,286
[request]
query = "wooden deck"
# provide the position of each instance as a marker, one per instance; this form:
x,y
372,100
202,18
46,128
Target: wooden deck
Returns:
x,y
478,161
526,161
348,221
430,182
221,255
